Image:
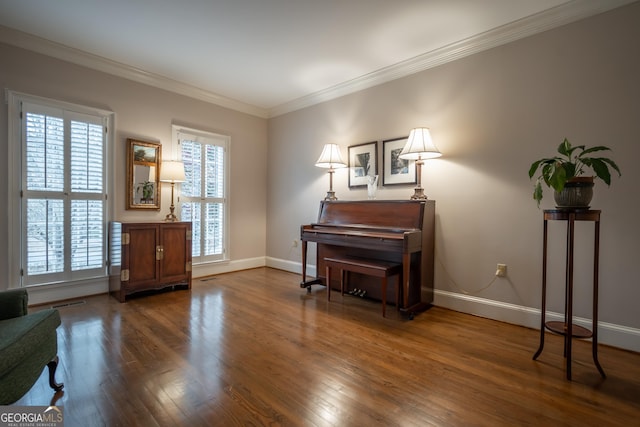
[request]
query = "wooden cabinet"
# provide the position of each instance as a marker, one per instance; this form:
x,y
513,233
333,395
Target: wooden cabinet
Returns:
x,y
147,256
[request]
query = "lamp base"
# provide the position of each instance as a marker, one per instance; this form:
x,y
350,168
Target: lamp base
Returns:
x,y
418,194
331,195
171,218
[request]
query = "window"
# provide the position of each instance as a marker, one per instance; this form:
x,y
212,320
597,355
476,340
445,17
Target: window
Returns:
x,y
203,196
62,182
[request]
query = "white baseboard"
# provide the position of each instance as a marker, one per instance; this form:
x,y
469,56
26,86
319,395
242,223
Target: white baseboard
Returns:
x,y
292,266
608,333
210,269
46,294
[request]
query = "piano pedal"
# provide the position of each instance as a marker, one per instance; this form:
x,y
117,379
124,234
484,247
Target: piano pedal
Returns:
x,y
357,292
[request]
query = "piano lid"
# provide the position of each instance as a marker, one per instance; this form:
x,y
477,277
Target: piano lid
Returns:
x,y
391,214
356,228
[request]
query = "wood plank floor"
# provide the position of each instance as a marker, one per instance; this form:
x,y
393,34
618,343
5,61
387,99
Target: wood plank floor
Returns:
x,y
251,348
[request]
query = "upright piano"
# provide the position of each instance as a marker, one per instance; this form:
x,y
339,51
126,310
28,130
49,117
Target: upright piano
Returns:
x,y
401,231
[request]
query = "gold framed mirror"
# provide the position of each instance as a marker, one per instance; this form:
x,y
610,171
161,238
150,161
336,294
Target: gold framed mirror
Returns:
x,y
143,172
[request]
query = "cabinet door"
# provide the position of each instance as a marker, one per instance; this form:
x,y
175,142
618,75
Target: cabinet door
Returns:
x,y
140,254
175,240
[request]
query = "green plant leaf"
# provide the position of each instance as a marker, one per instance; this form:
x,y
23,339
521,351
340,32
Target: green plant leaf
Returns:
x,y
534,167
547,172
612,164
592,149
565,148
544,164
558,178
570,170
601,169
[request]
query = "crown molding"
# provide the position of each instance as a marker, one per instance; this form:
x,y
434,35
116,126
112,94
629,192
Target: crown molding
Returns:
x,y
555,17
551,18
79,57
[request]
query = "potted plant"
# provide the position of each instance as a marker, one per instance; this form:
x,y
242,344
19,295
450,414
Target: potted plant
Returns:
x,y
565,174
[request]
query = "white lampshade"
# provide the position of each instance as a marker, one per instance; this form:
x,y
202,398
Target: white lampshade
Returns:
x,y
419,146
330,157
172,171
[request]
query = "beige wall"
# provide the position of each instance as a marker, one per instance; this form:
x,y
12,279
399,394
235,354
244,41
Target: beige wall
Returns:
x,y
146,113
491,115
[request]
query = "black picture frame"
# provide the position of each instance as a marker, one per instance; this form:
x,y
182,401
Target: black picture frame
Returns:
x,y
396,171
363,161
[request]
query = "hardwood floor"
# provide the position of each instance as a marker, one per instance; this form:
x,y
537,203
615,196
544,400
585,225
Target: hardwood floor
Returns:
x,y
252,348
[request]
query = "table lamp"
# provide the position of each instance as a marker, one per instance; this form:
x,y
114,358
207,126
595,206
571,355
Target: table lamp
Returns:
x,y
172,171
419,147
331,158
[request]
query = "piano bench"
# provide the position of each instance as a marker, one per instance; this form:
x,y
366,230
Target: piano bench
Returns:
x,y
370,267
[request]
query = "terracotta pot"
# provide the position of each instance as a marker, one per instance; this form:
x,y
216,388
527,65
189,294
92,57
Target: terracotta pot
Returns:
x,y
576,194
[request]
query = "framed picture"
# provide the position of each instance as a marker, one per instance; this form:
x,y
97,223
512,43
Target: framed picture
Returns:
x,y
363,161
396,171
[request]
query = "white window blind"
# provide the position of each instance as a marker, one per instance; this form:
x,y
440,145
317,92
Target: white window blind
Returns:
x,y
203,198
63,195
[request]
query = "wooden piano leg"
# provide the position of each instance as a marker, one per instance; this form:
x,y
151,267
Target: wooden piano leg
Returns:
x,y
304,264
406,277
304,283
406,283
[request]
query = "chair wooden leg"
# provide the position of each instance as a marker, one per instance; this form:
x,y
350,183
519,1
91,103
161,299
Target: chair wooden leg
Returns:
x,y
53,365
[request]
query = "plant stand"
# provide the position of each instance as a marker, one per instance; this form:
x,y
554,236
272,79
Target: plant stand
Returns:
x,y
567,328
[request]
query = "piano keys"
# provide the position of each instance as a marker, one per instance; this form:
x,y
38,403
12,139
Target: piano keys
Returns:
x,y
394,230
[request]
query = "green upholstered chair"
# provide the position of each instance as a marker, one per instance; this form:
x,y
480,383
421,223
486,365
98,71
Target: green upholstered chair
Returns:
x,y
28,343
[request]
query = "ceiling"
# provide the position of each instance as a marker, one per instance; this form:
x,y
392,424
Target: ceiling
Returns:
x,y
267,57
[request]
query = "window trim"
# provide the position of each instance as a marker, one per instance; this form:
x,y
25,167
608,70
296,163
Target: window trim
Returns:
x,y
176,130
14,181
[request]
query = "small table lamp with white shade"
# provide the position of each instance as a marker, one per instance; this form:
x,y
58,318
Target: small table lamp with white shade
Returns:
x,y
172,171
332,159
419,147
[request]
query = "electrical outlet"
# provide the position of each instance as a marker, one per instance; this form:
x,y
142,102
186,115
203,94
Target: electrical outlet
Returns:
x,y
501,271
295,243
